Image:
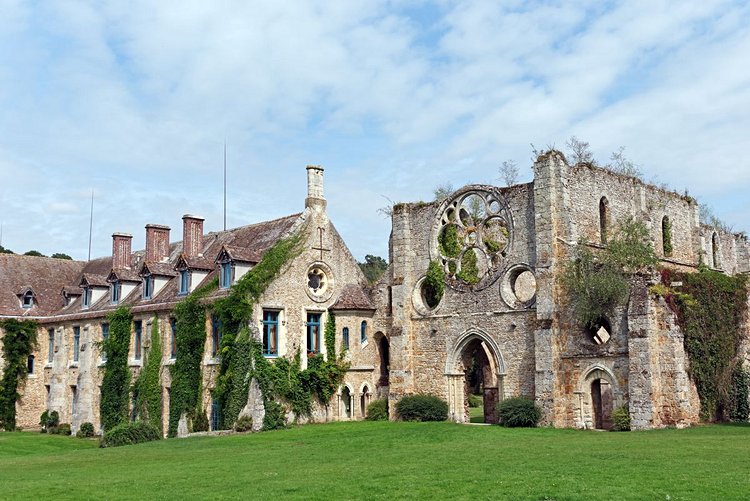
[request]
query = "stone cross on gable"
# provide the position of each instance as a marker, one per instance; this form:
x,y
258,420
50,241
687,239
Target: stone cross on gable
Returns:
x,y
320,246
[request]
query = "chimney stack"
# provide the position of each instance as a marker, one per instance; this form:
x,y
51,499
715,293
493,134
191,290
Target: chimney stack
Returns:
x,y
121,244
315,196
192,235
157,243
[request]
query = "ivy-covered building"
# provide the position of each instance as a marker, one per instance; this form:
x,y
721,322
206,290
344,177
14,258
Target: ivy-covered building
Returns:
x,y
591,292
295,274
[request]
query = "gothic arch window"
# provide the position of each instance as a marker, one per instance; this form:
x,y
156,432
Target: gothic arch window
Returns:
x,y
715,250
603,219
666,236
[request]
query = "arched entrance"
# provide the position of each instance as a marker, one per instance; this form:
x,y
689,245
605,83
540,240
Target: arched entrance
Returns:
x,y
346,402
475,372
384,356
364,401
598,392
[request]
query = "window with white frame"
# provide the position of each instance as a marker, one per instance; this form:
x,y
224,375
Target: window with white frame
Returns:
x,y
115,290
86,300
226,275
148,286
184,281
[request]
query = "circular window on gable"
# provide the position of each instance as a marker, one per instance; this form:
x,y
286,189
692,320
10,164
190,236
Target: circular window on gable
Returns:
x,y
518,287
319,282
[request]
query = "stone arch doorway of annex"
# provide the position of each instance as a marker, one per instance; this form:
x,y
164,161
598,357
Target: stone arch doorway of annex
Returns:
x,y
474,344
598,395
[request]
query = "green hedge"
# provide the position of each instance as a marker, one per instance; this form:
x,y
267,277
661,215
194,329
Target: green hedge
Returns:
x,y
519,412
86,430
422,408
377,410
130,433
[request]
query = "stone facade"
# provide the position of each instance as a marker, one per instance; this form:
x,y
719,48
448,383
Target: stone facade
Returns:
x,y
502,326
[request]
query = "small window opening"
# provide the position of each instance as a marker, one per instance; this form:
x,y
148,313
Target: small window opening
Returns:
x,y
603,219
666,236
363,333
715,250
28,299
600,332
30,364
345,338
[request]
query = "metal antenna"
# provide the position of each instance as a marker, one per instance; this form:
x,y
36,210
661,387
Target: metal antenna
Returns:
x,y
91,222
225,185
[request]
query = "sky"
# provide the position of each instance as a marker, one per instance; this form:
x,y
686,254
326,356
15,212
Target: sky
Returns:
x,y
134,102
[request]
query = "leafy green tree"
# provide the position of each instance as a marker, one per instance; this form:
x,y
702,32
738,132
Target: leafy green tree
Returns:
x,y
60,255
373,267
3,250
34,253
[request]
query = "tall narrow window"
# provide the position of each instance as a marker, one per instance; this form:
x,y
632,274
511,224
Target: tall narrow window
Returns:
x,y
666,236
226,275
215,415
270,333
184,281
363,332
715,250
76,342
173,338
105,336
30,364
148,286
115,290
74,401
345,338
51,345
215,335
313,332
86,297
603,219
137,344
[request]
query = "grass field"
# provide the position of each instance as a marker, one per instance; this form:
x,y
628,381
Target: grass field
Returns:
x,y
376,460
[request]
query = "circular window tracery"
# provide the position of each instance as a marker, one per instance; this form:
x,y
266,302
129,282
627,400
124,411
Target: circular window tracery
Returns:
x,y
472,236
518,287
319,282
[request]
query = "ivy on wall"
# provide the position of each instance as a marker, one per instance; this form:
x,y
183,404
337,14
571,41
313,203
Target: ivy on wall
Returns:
x,y
710,309
19,341
147,388
190,337
596,283
113,406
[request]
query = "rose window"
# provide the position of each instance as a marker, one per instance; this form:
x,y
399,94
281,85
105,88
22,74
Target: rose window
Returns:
x,y
472,237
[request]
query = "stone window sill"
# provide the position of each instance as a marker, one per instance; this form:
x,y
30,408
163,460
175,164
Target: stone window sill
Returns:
x,y
73,365
213,361
135,363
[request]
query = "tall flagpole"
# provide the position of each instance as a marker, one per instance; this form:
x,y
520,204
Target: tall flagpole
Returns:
x,y
225,185
91,222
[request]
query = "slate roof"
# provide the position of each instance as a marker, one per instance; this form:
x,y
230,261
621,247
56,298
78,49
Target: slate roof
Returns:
x,y
45,276
48,277
353,297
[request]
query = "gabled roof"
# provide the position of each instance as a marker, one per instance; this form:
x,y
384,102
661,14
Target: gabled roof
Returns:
x,y
193,263
238,254
353,297
91,280
71,290
123,275
158,269
45,276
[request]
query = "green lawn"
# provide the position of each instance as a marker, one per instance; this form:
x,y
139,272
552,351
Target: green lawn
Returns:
x,y
387,460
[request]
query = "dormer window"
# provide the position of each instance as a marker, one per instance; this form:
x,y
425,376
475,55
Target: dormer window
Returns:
x,y
184,281
27,300
226,275
86,301
115,289
148,286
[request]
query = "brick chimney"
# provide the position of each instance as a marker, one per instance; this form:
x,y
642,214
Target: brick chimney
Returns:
x,y
121,244
192,235
315,196
157,243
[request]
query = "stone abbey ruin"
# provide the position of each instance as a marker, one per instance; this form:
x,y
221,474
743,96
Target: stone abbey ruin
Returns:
x,y
473,301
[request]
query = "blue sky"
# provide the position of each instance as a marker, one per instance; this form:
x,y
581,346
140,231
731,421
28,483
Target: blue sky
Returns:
x,y
135,99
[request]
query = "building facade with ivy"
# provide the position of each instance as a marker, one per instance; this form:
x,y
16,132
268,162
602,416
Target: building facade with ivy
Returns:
x,y
591,292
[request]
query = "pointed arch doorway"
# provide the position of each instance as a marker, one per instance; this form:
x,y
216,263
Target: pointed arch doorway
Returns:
x,y
474,366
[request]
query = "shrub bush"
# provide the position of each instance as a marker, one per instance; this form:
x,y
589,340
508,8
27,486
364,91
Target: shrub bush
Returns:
x,y
519,412
476,400
274,418
621,419
377,410
244,423
86,430
130,433
61,429
422,408
49,420
200,423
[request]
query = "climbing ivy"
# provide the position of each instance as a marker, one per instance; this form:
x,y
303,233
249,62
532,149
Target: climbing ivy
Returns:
x,y
469,271
666,228
710,309
113,406
19,340
595,284
234,312
147,388
190,336
434,284
330,336
448,241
